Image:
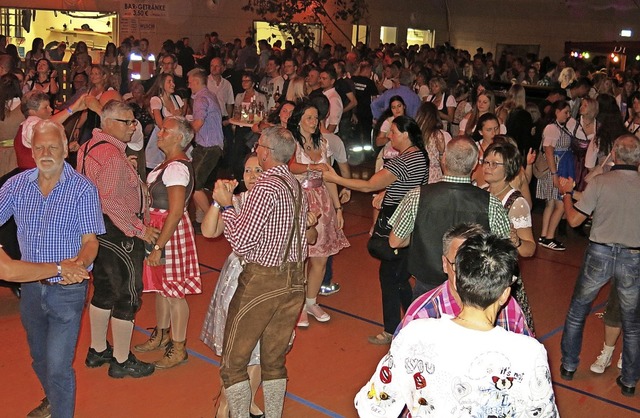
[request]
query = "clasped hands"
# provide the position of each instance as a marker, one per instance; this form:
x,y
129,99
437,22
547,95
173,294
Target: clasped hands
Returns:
x,y
73,271
223,192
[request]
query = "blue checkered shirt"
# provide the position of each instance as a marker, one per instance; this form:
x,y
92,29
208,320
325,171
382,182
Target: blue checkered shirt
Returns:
x,y
50,228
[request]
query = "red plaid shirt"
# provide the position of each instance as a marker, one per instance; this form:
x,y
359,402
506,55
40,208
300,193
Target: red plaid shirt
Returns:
x,y
260,232
122,194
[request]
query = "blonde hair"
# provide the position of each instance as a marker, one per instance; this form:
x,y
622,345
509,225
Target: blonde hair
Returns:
x,y
295,92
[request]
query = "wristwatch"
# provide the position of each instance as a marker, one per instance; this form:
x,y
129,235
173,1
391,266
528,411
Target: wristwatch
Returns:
x,y
157,247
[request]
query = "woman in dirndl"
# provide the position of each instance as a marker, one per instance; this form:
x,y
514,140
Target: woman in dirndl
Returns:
x,y
556,140
171,267
308,162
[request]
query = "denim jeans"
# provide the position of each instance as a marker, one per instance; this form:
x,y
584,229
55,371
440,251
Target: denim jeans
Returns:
x,y
601,263
328,273
51,317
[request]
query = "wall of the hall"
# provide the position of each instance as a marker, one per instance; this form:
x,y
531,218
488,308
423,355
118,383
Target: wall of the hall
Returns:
x,y
484,23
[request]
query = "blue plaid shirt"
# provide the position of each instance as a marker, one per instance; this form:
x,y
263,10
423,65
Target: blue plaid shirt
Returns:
x,y
50,228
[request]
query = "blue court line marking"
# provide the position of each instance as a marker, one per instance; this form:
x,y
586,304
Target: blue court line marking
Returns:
x,y
557,330
209,267
289,395
370,321
600,398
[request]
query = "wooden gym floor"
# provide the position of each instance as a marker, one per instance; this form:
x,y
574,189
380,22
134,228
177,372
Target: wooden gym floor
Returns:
x,y
329,362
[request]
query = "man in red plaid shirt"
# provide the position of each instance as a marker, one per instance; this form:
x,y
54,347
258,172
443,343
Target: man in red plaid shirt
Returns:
x,y
117,275
269,234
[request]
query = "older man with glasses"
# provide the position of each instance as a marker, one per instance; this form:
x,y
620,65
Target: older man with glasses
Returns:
x,y
118,269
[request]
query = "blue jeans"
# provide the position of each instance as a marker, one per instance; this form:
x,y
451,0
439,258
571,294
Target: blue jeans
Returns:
x,y
51,317
600,264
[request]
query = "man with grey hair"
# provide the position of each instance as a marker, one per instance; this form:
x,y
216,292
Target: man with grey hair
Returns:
x,y
426,212
613,254
209,142
58,216
117,276
445,300
269,234
401,87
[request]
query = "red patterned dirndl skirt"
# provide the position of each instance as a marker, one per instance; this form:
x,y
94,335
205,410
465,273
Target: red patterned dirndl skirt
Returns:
x,y
180,275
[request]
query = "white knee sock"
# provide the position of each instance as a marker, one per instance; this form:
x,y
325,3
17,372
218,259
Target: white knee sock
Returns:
x,y
274,391
121,331
239,399
99,319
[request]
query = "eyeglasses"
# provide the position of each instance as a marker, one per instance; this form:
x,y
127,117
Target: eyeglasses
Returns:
x,y
127,122
255,147
451,263
491,164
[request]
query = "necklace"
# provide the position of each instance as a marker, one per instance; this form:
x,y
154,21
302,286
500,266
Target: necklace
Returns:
x,y
501,191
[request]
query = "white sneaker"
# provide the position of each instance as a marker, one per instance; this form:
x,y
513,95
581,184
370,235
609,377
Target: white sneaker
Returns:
x,y
620,362
602,362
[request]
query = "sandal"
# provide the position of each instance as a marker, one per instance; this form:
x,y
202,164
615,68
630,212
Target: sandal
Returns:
x,y
384,338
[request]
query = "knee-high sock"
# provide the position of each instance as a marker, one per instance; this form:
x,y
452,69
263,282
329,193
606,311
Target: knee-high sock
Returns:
x,y
239,399
99,319
274,391
179,318
163,313
121,331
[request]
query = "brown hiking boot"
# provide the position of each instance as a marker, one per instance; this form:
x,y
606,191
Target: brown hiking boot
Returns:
x,y
175,355
41,411
157,341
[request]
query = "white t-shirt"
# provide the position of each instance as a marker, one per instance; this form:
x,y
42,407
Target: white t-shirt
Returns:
x,y
438,368
335,109
336,148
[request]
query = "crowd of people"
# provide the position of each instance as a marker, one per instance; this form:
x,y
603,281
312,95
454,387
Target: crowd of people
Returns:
x,y
151,135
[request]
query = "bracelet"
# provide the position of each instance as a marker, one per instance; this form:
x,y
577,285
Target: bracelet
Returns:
x,y
567,193
215,204
519,243
222,209
338,208
70,111
59,269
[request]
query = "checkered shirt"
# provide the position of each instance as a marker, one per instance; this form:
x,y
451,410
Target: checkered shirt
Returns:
x,y
260,232
440,301
122,193
404,218
50,228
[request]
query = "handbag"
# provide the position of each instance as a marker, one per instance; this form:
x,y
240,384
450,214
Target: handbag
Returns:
x,y
378,244
540,165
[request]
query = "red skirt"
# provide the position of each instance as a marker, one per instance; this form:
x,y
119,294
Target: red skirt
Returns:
x,y
180,274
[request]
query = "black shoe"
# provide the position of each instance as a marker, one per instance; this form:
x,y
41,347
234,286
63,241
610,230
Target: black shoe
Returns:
x,y
256,416
566,374
131,367
95,359
624,389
